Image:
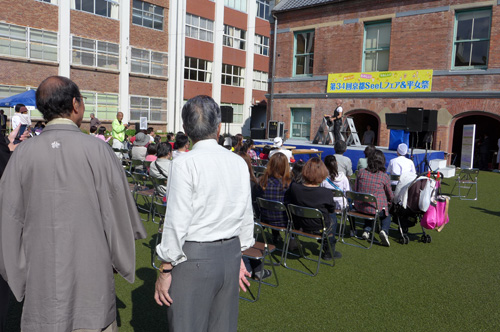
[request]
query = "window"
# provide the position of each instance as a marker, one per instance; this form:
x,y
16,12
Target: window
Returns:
x,y
54,2
472,39
261,45
95,53
240,5
376,50
107,8
103,105
233,75
263,9
234,37
155,109
301,123
149,62
28,42
304,53
260,80
197,70
199,28
147,15
237,112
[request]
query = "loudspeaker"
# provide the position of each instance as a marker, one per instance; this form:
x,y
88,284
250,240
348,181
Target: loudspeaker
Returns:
x,y
226,114
137,127
258,133
275,129
396,121
430,120
414,119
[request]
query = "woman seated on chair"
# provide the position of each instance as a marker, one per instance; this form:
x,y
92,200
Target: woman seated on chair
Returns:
x,y
310,194
161,166
275,182
336,180
375,181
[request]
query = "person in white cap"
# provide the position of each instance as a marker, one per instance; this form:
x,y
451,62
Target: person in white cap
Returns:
x,y
401,164
278,145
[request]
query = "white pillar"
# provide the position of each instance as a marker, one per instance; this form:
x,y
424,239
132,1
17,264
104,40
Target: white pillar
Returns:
x,y
176,52
217,64
248,102
64,39
124,99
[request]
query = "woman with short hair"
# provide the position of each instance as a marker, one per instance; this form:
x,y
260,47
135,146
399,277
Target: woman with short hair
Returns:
x,y
375,181
310,194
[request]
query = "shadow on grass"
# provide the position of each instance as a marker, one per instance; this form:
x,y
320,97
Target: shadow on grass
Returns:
x,y
147,315
494,213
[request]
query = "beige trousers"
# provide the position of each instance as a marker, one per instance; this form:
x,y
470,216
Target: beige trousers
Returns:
x,y
111,328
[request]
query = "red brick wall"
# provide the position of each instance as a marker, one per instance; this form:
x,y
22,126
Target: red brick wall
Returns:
x,y
199,49
232,94
92,26
202,8
22,73
235,18
232,56
193,89
148,38
30,13
261,62
93,80
142,86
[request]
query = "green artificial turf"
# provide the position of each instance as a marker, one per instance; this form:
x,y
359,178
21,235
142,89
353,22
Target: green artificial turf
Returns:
x,y
451,284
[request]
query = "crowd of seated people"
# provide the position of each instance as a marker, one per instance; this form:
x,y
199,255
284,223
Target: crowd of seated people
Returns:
x,y
336,180
181,145
160,168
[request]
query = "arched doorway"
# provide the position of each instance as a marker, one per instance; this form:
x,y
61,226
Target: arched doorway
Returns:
x,y
486,123
364,118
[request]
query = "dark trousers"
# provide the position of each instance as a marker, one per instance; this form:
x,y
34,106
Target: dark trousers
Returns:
x,y
4,302
336,130
205,288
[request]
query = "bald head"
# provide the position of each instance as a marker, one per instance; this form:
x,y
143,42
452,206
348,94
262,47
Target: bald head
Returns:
x,y
54,97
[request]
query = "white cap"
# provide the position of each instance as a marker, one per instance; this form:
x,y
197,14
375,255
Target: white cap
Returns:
x,y
403,149
278,142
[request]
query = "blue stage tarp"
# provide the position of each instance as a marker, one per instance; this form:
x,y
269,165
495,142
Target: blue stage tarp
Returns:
x,y
27,98
354,153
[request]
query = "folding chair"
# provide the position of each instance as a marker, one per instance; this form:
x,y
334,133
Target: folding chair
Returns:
x,y
339,213
160,209
259,170
132,183
351,214
136,165
276,206
146,190
147,165
467,179
157,196
260,251
305,212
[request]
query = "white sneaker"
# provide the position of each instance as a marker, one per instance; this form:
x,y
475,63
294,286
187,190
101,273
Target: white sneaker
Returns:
x,y
365,235
385,239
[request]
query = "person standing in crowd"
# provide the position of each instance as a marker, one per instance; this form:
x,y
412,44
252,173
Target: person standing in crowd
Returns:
x,y
94,121
3,123
67,219
118,133
20,116
401,164
336,117
368,136
202,238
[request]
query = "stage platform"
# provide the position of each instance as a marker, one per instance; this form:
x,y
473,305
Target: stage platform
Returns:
x,y
356,152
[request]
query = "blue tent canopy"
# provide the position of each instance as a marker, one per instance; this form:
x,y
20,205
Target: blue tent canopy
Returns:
x,y
27,98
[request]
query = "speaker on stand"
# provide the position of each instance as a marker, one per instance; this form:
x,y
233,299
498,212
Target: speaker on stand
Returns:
x,y
226,116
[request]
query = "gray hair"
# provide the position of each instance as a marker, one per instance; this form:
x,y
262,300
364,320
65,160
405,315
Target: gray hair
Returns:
x,y
201,117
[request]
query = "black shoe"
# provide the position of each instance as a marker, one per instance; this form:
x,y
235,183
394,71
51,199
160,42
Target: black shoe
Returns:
x,y
264,273
326,256
292,245
337,255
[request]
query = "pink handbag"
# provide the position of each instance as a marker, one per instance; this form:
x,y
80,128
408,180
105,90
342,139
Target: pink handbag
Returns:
x,y
437,214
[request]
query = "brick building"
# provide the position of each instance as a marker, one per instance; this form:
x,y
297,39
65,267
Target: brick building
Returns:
x,y
144,58
458,39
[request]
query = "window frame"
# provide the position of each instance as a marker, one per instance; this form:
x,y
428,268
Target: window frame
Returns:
x,y
109,5
96,53
377,49
229,35
240,5
150,109
27,44
198,27
239,77
306,55
260,47
144,13
207,69
149,61
260,81
263,5
455,28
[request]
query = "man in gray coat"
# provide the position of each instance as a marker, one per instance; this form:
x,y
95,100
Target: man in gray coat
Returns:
x,y
67,220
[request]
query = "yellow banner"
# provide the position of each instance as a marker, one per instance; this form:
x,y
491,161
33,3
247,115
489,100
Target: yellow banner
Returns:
x,y
381,81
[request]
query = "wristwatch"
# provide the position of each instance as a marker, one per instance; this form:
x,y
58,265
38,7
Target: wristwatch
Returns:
x,y
162,270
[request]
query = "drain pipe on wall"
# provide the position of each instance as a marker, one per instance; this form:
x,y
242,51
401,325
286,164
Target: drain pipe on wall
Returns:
x,y
273,69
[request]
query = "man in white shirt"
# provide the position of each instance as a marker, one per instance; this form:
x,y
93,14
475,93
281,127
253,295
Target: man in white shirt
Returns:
x,y
20,117
401,164
278,145
209,221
